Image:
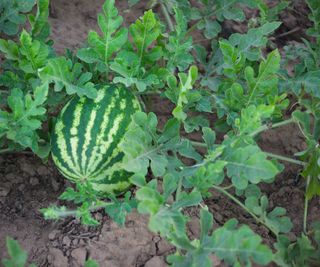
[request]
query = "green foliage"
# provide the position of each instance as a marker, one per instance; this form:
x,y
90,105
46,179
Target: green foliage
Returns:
x,y
179,45
135,66
119,209
230,78
249,164
20,125
18,257
40,28
236,246
102,48
29,56
64,74
12,14
314,6
181,93
240,246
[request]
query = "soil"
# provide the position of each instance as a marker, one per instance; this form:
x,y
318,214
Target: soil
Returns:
x,y
27,184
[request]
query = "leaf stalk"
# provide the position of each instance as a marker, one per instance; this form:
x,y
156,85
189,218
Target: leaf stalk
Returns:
x,y
237,201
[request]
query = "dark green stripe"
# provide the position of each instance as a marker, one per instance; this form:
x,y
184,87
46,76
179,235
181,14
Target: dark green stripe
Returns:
x,y
84,118
68,118
96,129
54,137
129,110
119,176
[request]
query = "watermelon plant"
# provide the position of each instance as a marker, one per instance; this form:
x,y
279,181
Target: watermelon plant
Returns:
x,y
18,257
229,91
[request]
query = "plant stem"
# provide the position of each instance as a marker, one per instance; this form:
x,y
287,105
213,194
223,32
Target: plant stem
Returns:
x,y
271,155
167,16
68,213
199,144
274,125
305,213
192,28
283,158
237,201
178,192
5,150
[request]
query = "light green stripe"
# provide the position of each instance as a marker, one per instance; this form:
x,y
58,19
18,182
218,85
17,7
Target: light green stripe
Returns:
x,y
96,156
104,145
103,172
62,146
65,172
87,141
74,140
121,186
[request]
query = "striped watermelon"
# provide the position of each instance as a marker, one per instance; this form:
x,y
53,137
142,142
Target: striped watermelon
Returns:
x,y
86,136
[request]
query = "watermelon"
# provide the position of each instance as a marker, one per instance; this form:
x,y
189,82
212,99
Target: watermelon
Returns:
x,y
86,136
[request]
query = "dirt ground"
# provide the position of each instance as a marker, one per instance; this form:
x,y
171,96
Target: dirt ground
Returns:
x,y
27,184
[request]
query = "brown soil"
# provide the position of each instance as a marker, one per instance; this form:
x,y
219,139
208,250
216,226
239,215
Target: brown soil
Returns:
x,y
27,185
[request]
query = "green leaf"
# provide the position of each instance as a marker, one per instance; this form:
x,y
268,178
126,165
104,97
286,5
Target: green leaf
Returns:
x,y
182,90
18,257
249,164
170,184
25,118
136,65
206,176
91,263
34,53
194,123
11,14
101,48
209,137
234,61
40,28
119,209
266,81
10,49
239,246
252,117
308,82
63,74
144,32
311,172
187,200
179,45
250,44
138,147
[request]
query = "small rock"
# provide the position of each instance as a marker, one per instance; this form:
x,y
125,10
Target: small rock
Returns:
x,y
156,239
53,234
98,216
4,189
55,185
163,247
22,187
194,226
156,262
292,237
79,255
75,242
56,258
27,168
66,241
34,181
43,171
55,244
215,260
14,178
218,217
